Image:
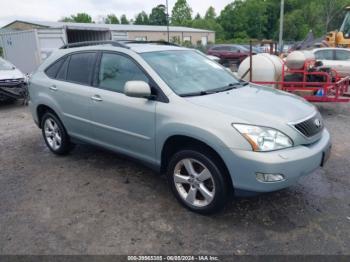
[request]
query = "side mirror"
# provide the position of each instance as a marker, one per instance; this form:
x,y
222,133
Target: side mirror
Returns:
x,y
137,89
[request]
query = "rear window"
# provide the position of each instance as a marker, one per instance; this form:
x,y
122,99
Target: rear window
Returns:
x,y
324,55
52,70
342,55
80,68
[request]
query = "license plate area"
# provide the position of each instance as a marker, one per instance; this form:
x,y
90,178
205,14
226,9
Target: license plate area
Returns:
x,y
325,155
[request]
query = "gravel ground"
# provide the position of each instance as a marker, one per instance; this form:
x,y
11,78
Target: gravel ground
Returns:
x,y
98,202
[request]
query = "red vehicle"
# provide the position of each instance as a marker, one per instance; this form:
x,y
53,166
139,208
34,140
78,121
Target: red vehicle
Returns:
x,y
229,53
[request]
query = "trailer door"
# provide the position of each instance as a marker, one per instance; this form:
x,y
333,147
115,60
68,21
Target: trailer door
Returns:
x,y
21,49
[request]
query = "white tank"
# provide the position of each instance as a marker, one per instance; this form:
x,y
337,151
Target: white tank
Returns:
x,y
296,59
266,68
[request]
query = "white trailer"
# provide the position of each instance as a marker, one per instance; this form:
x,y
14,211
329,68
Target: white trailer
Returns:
x,y
28,49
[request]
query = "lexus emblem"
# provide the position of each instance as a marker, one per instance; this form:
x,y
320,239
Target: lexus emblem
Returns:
x,y
317,123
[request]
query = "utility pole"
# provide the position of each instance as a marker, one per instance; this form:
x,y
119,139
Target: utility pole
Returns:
x,y
167,19
280,43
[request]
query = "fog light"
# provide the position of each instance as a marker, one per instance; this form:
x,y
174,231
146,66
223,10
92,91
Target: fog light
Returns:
x,y
269,178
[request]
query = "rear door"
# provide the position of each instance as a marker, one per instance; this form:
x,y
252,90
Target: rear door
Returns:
x,y
342,65
72,90
122,123
326,56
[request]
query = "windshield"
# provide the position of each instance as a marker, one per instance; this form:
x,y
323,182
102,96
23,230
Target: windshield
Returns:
x,y
4,65
188,72
345,28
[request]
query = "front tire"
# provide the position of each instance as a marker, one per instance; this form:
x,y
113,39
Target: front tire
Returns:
x,y
55,135
198,181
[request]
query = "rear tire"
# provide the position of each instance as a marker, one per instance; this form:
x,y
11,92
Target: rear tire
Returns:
x,y
198,181
55,135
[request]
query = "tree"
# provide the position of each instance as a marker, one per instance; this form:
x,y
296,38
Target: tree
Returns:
x,y
210,14
111,19
181,13
260,18
142,19
197,17
124,20
334,13
158,15
247,17
78,18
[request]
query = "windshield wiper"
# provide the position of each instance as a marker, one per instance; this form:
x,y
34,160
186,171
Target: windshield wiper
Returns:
x,y
218,90
201,93
229,87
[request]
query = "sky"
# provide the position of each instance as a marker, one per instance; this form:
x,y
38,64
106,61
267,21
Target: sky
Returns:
x,y
53,10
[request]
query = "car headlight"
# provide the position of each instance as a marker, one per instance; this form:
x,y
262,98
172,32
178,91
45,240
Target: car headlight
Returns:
x,y
264,138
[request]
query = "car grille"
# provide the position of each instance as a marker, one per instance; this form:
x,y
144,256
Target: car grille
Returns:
x,y
311,126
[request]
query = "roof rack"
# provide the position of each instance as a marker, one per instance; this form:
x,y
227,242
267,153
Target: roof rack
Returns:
x,y
92,43
159,42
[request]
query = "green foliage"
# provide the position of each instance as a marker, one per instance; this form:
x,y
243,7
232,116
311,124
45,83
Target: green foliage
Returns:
x,y
124,20
78,18
210,14
248,18
158,15
209,22
242,20
111,19
175,40
1,52
259,19
181,13
141,19
198,16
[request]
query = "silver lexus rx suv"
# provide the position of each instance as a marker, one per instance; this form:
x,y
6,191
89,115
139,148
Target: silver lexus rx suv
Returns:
x,y
180,113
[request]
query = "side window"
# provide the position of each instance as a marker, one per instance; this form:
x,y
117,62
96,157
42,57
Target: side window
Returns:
x,y
52,70
233,49
324,55
116,70
342,55
80,68
62,73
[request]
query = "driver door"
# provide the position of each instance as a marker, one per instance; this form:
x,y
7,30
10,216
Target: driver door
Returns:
x,y
122,123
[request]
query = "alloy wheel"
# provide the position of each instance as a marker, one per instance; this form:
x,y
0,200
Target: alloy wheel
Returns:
x,y
194,182
52,134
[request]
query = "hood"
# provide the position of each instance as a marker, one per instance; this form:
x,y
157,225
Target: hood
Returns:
x,y
11,74
257,105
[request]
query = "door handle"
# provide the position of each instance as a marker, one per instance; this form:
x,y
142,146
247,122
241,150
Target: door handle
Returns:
x,y
97,98
53,88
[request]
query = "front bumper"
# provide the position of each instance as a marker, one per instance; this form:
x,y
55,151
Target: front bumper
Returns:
x,y
14,91
292,163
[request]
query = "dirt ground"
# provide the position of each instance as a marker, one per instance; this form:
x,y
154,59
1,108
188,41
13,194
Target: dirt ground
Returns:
x,y
98,202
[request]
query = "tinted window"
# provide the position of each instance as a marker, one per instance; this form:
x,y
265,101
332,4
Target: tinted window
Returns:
x,y
233,49
220,48
62,73
342,55
116,70
53,69
80,68
324,55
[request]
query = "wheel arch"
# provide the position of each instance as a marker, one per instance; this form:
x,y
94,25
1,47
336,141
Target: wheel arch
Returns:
x,y
175,143
41,109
